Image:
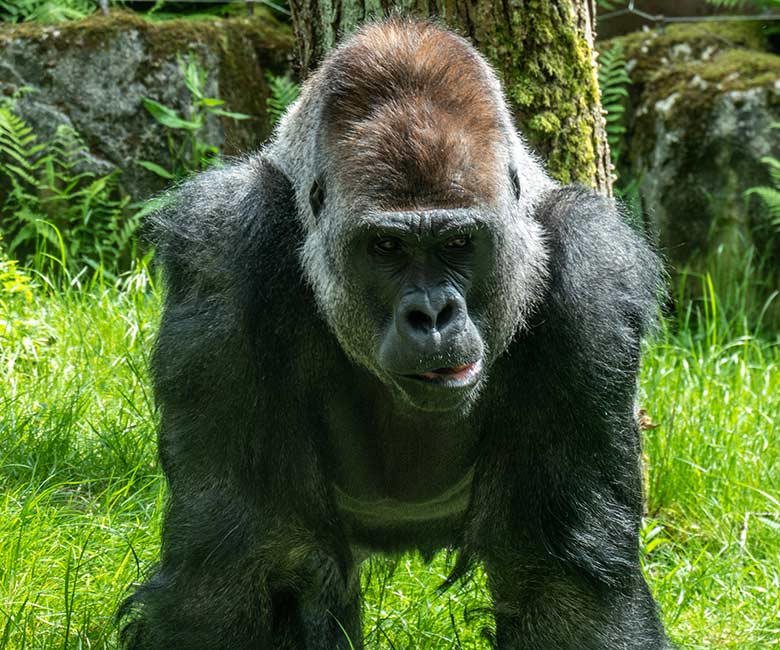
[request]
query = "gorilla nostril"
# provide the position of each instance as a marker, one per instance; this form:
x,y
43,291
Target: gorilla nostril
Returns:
x,y
419,321
444,317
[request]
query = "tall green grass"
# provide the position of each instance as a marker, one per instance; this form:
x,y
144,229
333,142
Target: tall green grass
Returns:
x,y
82,495
78,478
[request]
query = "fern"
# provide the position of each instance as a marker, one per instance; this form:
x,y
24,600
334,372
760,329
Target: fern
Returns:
x,y
57,214
284,91
45,11
769,195
614,81
18,148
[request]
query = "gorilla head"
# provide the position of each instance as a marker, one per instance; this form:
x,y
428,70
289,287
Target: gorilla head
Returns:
x,y
418,197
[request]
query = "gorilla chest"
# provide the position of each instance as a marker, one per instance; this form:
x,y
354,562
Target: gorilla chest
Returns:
x,y
391,465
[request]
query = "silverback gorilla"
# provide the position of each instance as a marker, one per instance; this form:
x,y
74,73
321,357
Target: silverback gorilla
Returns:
x,y
391,330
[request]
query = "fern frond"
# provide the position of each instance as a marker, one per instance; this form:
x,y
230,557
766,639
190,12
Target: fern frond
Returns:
x,y
284,91
613,83
770,197
17,142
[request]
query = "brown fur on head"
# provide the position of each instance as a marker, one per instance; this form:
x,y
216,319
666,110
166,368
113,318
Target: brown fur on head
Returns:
x,y
410,118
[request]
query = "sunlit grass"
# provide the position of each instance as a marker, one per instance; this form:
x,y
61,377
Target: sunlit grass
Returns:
x,y
714,485
81,493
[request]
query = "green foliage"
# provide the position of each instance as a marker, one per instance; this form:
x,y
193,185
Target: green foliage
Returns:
x,y
284,91
58,216
17,331
14,281
770,195
755,5
45,11
188,150
162,10
614,82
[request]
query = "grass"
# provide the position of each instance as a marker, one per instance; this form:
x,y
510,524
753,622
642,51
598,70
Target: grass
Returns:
x,y
82,495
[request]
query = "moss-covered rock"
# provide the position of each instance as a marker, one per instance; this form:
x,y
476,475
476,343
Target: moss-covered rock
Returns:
x,y
702,101
92,75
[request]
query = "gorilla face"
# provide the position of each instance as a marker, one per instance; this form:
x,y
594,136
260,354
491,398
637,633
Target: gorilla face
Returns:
x,y
422,269
419,296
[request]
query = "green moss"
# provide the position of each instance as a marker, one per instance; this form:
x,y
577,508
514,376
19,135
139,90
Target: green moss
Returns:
x,y
547,122
731,70
546,67
97,30
655,50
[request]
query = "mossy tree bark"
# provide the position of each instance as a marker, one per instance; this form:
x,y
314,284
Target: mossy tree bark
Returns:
x,y
542,49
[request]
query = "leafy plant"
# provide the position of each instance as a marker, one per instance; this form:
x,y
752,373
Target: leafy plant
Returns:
x,y
187,147
614,81
45,11
18,331
770,195
284,91
59,216
14,281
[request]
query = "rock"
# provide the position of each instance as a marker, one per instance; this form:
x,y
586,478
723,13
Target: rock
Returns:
x,y
92,75
702,100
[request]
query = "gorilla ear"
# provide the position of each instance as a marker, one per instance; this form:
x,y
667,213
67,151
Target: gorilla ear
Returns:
x,y
515,180
317,196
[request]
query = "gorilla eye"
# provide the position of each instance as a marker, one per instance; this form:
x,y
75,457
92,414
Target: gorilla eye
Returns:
x,y
387,245
458,242
316,197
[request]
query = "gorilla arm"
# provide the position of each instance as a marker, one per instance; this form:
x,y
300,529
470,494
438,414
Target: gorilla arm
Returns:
x,y
561,548
241,564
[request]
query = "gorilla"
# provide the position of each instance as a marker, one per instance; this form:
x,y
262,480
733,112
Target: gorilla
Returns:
x,y
390,330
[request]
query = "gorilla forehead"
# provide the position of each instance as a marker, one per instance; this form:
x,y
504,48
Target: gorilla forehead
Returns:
x,y
411,113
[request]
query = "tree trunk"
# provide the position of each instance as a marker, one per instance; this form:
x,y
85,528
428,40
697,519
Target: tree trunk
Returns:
x,y
542,49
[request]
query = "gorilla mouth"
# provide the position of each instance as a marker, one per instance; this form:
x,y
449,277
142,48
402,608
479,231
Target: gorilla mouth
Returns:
x,y
461,375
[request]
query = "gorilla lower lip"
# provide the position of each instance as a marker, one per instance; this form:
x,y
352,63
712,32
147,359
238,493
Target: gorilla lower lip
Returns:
x,y
455,375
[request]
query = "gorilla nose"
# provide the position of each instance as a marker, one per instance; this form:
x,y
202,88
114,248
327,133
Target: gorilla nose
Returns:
x,y
426,319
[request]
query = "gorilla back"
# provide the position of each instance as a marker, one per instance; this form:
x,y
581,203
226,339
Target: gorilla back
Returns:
x,y
389,330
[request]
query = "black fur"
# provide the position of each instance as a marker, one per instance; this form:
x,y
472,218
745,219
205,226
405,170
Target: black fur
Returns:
x,y
267,416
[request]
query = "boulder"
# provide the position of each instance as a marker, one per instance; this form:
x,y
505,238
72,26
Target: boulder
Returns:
x,y
92,75
701,104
